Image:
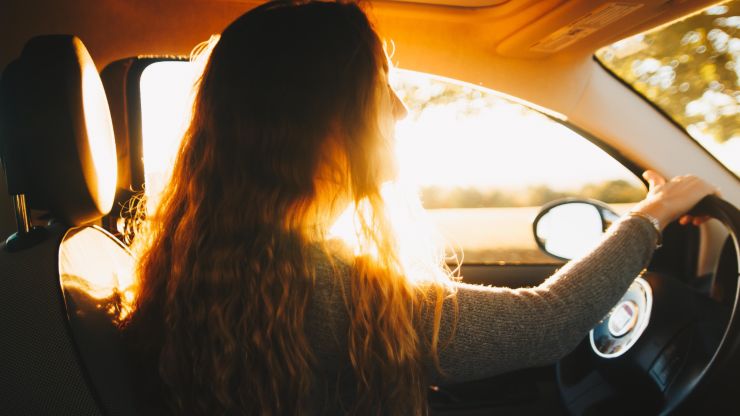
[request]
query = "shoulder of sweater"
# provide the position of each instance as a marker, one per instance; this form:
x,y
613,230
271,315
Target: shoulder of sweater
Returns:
x,y
330,257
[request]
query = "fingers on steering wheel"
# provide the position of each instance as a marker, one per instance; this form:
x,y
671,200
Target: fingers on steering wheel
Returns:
x,y
653,178
701,220
694,220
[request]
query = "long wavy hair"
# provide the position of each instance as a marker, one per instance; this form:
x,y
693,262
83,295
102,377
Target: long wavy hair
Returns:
x,y
286,115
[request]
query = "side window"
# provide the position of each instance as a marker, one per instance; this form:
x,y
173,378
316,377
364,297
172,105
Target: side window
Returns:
x,y
483,164
166,94
691,70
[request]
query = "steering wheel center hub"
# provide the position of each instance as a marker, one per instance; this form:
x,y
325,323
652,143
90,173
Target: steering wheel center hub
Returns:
x,y
623,318
622,327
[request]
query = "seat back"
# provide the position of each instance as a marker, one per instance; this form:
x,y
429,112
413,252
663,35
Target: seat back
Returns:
x,y
95,271
60,284
40,371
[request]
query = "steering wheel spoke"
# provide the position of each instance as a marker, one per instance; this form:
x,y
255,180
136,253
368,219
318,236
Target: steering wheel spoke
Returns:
x,y
689,337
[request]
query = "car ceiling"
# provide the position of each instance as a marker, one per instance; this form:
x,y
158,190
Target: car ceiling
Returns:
x,y
518,47
537,50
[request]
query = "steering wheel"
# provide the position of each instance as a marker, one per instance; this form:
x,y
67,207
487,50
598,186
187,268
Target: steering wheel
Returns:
x,y
664,345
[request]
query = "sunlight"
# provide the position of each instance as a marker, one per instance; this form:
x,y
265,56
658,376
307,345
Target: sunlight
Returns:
x,y
92,263
166,101
419,243
168,90
689,69
457,138
446,147
99,134
345,229
441,146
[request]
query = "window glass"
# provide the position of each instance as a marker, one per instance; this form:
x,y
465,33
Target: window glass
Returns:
x,y
483,164
690,70
166,95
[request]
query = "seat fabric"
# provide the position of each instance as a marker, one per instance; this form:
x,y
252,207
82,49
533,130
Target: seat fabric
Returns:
x,y
40,372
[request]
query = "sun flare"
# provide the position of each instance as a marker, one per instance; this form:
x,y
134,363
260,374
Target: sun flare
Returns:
x,y
458,142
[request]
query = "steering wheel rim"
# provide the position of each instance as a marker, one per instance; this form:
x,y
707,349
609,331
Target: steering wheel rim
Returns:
x,y
587,381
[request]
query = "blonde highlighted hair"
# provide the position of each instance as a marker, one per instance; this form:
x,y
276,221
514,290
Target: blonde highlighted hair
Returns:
x,y
225,276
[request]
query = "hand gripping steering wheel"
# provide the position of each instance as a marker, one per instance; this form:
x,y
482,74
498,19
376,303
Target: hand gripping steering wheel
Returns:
x,y
666,347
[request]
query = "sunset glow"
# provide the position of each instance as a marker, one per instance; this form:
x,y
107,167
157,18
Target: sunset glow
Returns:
x,y
456,138
442,146
166,99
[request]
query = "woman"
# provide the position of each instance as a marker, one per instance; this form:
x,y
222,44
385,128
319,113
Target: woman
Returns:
x,y
244,304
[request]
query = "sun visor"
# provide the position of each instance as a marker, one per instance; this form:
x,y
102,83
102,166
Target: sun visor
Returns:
x,y
56,134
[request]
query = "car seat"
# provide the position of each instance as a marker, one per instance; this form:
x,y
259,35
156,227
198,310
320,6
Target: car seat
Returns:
x,y
61,284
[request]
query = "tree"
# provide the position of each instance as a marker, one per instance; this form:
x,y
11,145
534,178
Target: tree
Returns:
x,y
689,69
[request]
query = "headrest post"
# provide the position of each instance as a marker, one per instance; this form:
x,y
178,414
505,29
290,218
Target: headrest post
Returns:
x,y
27,235
21,214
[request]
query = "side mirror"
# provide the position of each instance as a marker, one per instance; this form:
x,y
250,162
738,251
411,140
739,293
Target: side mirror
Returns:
x,y
569,228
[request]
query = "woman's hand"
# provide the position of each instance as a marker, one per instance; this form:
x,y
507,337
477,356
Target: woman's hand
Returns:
x,y
669,200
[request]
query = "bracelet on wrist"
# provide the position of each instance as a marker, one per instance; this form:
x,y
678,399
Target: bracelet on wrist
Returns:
x,y
654,222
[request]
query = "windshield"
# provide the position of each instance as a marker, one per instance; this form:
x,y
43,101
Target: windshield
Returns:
x,y
690,70
482,164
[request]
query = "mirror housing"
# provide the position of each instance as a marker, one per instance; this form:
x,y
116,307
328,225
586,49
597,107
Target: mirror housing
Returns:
x,y
568,228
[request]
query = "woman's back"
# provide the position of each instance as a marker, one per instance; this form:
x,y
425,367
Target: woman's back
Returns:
x,y
243,303
290,125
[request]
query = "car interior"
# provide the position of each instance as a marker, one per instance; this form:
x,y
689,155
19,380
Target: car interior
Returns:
x,y
72,145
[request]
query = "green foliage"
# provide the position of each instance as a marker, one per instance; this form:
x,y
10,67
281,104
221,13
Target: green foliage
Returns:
x,y
689,69
419,93
422,93
613,192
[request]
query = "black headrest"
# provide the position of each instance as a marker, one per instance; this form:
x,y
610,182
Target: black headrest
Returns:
x,y
56,134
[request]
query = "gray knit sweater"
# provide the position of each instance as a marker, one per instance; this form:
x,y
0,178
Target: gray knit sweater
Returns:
x,y
501,329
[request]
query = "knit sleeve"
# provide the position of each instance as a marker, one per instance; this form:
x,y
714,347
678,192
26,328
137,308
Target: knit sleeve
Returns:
x,y
501,329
